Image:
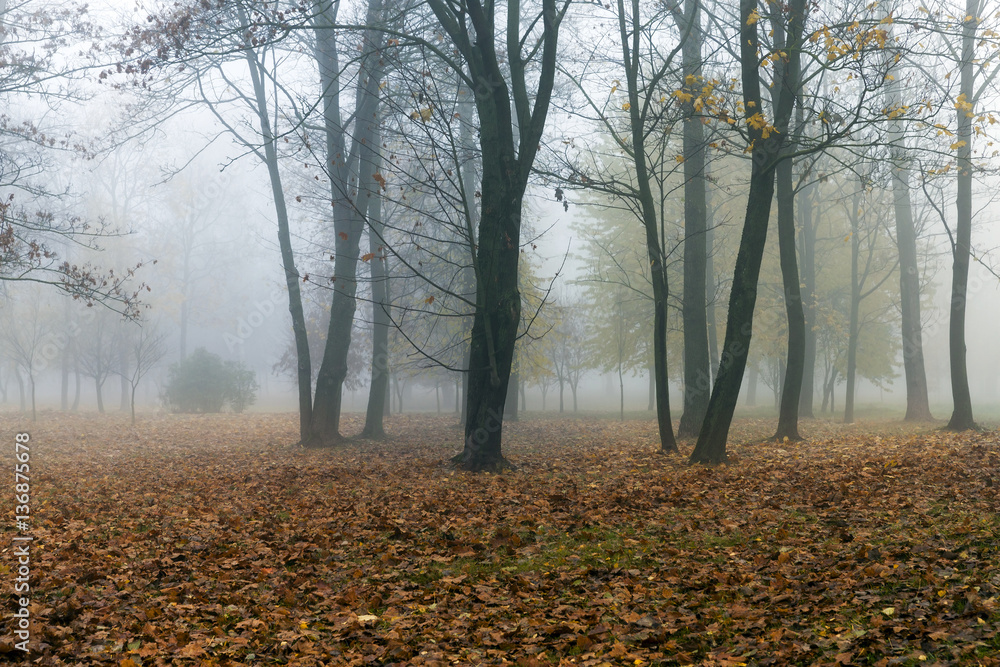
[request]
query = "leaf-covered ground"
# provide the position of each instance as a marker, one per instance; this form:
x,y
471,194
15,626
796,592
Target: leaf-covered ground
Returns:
x,y
212,540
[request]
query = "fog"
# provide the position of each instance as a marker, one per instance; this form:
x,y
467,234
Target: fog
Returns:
x,y
165,193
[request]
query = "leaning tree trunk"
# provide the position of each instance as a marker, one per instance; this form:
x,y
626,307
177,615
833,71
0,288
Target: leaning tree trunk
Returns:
x,y
697,381
961,417
711,445
303,364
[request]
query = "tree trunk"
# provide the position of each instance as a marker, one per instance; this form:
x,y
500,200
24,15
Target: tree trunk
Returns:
x,y
510,407
654,249
651,404
710,321
711,445
500,89
21,392
76,390
350,178
852,331
63,381
381,319
917,401
124,403
295,309
788,411
752,388
100,396
561,403
807,252
961,417
697,380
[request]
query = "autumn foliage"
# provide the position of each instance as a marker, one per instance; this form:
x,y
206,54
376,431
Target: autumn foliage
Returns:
x,y
200,540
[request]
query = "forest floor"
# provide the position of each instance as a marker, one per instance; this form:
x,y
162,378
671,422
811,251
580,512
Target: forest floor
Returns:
x,y
213,540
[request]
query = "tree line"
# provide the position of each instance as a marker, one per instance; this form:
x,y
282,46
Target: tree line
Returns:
x,y
678,132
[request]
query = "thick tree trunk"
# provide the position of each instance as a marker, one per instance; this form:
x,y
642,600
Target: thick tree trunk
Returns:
x,y
711,445
961,417
788,411
917,401
351,175
697,380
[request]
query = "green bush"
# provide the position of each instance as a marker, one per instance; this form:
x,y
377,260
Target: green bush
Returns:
x,y
204,383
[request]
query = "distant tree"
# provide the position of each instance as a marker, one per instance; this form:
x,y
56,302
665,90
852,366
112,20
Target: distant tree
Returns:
x,y
144,348
203,382
25,328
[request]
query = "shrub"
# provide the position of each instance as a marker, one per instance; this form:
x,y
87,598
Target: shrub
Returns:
x,y
204,383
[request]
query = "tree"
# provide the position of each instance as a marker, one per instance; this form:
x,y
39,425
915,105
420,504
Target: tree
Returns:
x,y
99,351
697,381
25,330
145,348
766,140
351,175
874,266
917,401
965,105
507,160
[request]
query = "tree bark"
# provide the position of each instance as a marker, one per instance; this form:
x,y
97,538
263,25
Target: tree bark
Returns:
x,y
788,411
961,417
917,401
853,323
507,165
381,320
711,445
351,175
697,380
710,321
807,253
